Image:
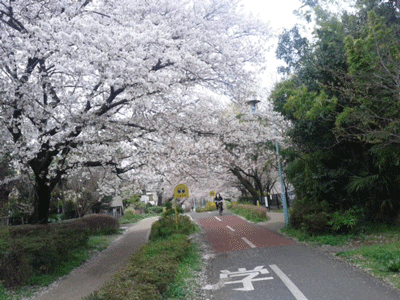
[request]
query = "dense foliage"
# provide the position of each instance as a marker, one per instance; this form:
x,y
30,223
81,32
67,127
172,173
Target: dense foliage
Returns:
x,y
342,99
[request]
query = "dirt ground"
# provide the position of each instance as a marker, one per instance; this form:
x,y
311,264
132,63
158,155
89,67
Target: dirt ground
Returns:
x,y
94,273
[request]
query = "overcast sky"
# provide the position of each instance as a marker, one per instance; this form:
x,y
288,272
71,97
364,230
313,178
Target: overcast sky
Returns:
x,y
280,15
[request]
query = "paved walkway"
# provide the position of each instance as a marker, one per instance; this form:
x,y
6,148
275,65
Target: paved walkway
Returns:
x,y
275,223
94,273
270,266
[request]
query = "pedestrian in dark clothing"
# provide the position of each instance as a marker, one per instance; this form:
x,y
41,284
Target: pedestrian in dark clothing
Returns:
x,y
218,200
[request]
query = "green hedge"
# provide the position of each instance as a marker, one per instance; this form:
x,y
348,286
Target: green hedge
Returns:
x,y
28,250
154,266
250,212
149,272
101,224
154,209
166,226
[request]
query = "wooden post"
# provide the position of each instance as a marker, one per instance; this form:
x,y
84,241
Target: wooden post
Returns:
x,y
176,215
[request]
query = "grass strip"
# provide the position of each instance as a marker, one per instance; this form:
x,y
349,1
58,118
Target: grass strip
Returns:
x,y
377,248
149,272
251,213
317,240
186,284
383,261
160,268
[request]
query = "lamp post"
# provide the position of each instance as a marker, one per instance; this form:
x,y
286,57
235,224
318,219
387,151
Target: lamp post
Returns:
x,y
253,104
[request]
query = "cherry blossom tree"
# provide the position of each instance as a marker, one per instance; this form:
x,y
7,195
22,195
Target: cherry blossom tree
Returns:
x,y
236,147
91,83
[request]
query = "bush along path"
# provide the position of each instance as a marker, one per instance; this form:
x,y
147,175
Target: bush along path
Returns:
x,y
152,270
100,269
252,213
34,256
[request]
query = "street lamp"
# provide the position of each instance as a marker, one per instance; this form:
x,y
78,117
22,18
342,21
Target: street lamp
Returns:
x,y
253,104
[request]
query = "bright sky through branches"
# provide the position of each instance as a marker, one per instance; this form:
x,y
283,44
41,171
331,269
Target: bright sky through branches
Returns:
x,y
280,16
279,13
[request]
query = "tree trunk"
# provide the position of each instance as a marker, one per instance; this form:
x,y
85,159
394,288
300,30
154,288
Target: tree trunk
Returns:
x,y
159,198
42,201
246,184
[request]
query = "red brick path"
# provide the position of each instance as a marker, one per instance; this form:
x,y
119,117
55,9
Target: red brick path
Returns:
x,y
224,239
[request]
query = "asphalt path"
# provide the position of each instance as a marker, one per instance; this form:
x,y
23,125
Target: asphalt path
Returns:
x,y
252,262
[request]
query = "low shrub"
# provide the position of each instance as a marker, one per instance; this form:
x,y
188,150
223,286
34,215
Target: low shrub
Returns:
x,y
74,232
210,206
126,289
166,226
156,271
345,221
15,267
393,265
101,224
316,222
149,272
318,218
229,204
246,200
312,217
33,250
170,209
130,211
250,212
155,210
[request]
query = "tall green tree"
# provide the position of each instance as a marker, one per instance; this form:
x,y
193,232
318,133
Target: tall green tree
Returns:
x,y
341,98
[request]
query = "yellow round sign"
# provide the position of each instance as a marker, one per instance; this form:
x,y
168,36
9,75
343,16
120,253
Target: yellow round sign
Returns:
x,y
181,191
212,194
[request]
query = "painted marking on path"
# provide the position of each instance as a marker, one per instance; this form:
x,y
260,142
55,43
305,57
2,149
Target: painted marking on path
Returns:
x,y
218,219
247,280
289,284
230,228
248,242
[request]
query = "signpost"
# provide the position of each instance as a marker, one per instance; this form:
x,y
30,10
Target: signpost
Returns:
x,y
212,195
180,191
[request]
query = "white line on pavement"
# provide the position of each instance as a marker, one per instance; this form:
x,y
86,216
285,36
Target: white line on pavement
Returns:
x,y
230,228
248,242
289,284
218,219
